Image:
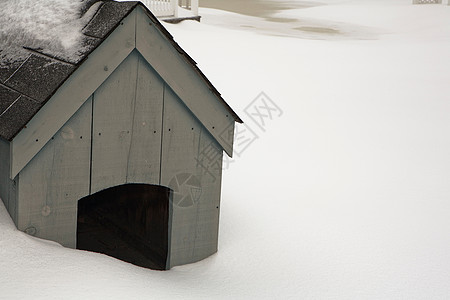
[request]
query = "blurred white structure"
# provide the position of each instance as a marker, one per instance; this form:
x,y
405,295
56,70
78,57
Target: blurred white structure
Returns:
x,y
173,8
427,1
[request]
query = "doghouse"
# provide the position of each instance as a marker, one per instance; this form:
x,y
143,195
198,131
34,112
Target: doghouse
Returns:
x,y
119,152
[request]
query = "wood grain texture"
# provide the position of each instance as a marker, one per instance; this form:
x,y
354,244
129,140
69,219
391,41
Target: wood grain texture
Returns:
x,y
8,187
191,166
145,148
72,94
51,184
127,126
113,114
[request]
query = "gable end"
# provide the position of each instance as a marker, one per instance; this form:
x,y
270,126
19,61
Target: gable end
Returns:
x,y
140,30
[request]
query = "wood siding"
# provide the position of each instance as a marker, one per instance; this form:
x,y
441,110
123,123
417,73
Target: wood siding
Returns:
x,y
52,183
128,146
141,133
192,166
127,126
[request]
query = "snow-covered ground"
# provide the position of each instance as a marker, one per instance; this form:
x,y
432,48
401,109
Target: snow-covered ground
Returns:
x,y
345,194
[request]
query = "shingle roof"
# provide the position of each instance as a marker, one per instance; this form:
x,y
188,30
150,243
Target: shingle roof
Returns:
x,y
27,84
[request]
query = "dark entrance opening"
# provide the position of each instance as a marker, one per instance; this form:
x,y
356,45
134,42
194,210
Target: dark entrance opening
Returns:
x,y
129,222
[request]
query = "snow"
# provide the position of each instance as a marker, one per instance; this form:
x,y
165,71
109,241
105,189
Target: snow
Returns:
x,y
346,195
54,25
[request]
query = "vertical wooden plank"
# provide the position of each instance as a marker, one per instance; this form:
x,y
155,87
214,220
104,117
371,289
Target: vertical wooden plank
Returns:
x,y
13,198
55,179
190,165
145,148
127,126
4,172
8,187
113,114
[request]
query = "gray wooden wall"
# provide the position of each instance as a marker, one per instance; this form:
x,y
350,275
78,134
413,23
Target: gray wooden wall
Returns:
x,y
57,177
189,151
7,186
133,129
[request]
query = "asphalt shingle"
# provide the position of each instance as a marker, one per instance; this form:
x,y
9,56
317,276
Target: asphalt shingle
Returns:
x,y
15,118
108,17
7,70
7,97
39,77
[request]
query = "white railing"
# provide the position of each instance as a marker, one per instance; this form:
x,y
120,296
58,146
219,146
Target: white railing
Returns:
x,y
192,5
163,8
169,8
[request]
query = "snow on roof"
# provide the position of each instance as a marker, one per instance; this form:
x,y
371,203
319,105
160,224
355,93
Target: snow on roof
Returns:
x,y
41,44
55,25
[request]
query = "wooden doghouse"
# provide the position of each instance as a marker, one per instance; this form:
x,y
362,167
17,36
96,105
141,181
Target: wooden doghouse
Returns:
x,y
121,148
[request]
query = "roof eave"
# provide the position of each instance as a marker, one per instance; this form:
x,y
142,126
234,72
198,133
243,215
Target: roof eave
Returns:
x,y
191,61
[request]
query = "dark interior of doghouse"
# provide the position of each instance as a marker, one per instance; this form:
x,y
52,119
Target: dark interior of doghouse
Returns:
x,y
129,222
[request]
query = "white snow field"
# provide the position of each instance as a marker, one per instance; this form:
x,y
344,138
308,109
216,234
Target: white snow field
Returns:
x,y
345,194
